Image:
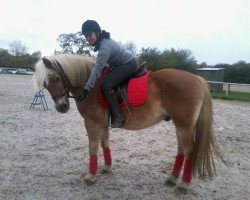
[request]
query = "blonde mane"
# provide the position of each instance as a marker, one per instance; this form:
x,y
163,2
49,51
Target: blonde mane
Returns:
x,y
77,69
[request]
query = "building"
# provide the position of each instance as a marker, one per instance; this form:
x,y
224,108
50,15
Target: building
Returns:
x,y
213,74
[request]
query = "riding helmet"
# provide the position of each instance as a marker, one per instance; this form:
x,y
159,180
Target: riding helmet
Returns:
x,y
90,26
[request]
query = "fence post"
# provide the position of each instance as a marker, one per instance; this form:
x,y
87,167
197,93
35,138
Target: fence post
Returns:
x,y
228,89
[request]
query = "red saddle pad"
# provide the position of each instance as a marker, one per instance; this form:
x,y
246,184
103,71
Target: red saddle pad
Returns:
x,y
137,91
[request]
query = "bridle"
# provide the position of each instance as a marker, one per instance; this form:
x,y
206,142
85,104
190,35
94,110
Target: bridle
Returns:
x,y
65,94
58,68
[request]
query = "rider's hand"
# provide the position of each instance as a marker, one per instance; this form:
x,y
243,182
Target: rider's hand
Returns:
x,y
83,95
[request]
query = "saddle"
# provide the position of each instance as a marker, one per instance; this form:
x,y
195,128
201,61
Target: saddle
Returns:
x,y
133,91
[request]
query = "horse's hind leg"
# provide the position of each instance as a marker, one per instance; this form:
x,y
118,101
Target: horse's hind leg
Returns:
x,y
185,136
177,165
183,158
106,152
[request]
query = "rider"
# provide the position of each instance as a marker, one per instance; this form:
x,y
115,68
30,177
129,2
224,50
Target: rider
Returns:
x,y
121,61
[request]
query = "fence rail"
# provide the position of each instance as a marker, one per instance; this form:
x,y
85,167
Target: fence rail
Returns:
x,y
228,86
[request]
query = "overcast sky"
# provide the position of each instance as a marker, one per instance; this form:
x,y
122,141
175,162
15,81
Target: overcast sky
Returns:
x,y
216,31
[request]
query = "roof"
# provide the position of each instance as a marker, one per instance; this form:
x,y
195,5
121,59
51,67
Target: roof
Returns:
x,y
210,69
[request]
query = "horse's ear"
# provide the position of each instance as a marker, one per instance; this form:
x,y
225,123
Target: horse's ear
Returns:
x,y
47,63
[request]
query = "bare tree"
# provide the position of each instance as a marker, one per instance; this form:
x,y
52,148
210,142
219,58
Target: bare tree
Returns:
x,y
73,43
130,46
17,48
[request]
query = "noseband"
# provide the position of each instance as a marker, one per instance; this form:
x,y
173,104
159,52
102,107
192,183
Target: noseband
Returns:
x,y
65,94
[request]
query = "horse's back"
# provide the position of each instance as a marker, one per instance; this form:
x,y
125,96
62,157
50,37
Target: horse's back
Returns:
x,y
173,75
177,81
181,92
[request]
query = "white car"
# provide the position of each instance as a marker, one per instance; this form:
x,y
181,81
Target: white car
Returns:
x,y
12,71
29,72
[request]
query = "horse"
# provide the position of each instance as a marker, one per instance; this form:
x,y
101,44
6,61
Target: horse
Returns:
x,y
172,94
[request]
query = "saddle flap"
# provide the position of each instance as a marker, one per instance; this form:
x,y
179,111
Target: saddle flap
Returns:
x,y
133,90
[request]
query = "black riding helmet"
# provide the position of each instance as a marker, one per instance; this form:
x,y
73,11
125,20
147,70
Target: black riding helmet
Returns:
x,y
91,26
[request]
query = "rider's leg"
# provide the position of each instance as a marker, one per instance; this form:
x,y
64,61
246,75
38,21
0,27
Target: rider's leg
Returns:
x,y
118,75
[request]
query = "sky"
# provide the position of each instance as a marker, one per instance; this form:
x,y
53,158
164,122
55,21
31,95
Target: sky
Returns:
x,y
216,31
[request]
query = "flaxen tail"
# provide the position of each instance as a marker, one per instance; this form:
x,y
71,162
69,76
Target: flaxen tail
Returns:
x,y
205,144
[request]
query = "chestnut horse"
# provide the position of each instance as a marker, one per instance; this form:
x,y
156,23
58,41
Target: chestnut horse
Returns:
x,y
175,94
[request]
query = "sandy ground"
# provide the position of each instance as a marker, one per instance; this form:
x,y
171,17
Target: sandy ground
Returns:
x,y
44,154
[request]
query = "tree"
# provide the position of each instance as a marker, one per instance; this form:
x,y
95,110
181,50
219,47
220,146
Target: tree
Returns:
x,y
222,65
131,47
152,58
238,73
182,59
36,55
73,43
203,65
17,48
5,58
33,58
241,63
25,60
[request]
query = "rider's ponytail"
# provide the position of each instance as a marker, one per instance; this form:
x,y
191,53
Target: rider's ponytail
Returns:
x,y
105,34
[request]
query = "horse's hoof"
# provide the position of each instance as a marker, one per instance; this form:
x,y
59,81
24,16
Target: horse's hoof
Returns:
x,y
183,187
106,169
89,179
171,181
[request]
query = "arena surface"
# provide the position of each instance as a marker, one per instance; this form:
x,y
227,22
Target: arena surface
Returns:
x,y
44,154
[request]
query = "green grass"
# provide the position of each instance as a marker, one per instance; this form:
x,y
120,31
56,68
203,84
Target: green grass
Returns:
x,y
242,96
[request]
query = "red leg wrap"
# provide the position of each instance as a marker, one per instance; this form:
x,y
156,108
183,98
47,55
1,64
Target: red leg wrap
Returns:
x,y
177,165
187,173
93,164
107,156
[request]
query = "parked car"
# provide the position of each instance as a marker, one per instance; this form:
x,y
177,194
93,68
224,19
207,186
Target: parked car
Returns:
x,y
22,72
12,71
3,71
30,72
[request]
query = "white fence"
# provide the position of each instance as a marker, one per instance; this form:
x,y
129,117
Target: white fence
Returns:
x,y
233,86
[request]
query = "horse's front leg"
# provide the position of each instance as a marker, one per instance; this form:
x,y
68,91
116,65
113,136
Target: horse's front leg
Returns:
x,y
106,151
94,134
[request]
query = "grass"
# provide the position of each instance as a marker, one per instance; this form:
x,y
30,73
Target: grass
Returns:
x,y
242,96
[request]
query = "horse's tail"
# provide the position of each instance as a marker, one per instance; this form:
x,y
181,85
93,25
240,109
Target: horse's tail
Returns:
x,y
205,144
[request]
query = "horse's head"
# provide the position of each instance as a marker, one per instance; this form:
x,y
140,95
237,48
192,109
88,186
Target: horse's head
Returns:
x,y
62,73
52,78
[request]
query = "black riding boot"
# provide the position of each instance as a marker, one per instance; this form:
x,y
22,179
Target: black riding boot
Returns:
x,y
117,119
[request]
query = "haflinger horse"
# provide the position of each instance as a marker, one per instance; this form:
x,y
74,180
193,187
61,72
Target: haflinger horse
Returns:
x,y
172,94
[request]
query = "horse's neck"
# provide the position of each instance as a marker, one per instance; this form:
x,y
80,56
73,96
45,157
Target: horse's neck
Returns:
x,y
85,107
75,90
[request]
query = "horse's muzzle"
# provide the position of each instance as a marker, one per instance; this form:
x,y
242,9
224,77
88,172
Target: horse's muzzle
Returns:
x,y
62,108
